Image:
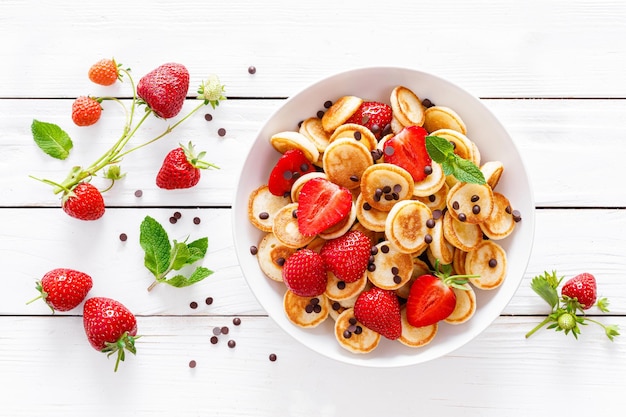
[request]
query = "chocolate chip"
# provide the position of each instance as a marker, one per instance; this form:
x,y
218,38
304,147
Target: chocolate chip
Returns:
x,y
462,217
517,216
317,308
341,285
308,308
397,188
173,220
221,131
214,340
358,330
347,334
384,249
272,357
474,198
371,267
375,128
455,205
294,214
386,189
437,214
264,215
236,321
432,198
397,279
508,209
196,220
354,178
314,301
320,114
430,223
336,306
376,154
138,193
476,209
192,364
251,69
386,130
388,197
352,328
493,263
231,344
374,250
366,206
280,261
208,117
395,270
357,135
217,331
428,239
352,320
178,215
427,103
209,301
224,330
123,237
428,170
328,104
254,250
193,305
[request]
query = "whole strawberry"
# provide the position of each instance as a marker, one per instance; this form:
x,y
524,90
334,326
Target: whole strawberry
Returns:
x,y
304,273
373,115
110,327
84,202
63,289
379,310
164,89
583,288
86,111
181,168
347,256
104,72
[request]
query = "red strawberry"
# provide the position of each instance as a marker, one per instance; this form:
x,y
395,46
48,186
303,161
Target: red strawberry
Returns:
x,y
104,72
86,111
291,166
110,327
304,273
583,288
322,204
84,202
431,299
347,256
407,149
373,115
379,310
164,89
181,168
63,289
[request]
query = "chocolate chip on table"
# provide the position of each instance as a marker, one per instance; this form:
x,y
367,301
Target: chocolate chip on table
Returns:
x,y
208,117
196,220
217,331
272,357
231,343
221,131
254,250
173,220
214,340
192,364
123,237
138,193
193,305
209,301
251,69
178,215
224,330
236,321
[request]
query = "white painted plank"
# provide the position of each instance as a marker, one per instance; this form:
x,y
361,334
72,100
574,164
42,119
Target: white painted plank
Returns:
x,y
35,241
568,146
499,373
503,49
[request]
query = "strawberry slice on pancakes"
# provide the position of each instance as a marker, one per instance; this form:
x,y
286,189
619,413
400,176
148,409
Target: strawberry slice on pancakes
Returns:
x,y
291,166
407,150
322,204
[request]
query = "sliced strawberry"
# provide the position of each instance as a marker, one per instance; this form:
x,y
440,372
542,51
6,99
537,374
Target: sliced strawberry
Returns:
x,y
347,256
291,166
322,204
373,115
379,310
407,150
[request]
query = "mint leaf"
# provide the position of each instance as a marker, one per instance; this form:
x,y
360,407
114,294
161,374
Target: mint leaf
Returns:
x,y
179,256
51,139
438,148
441,151
197,249
467,171
198,275
156,245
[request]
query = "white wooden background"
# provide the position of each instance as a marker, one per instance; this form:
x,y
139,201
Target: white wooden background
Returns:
x,y
552,71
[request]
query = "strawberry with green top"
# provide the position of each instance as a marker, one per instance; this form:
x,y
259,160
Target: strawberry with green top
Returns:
x,y
578,294
164,89
86,111
63,289
181,168
110,327
379,310
84,202
104,72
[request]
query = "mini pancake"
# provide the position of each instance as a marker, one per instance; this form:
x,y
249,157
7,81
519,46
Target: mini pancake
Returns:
x,y
271,256
432,183
384,184
441,117
500,223
355,132
488,261
419,268
462,145
416,336
286,227
312,128
407,107
458,261
462,235
283,141
262,207
340,228
340,111
389,269
437,200
345,160
396,125
354,336
492,171
371,218
471,203
405,226
306,311
297,185
439,249
339,290
465,305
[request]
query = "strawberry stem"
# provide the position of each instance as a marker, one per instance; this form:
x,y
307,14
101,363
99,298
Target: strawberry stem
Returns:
x,y
539,326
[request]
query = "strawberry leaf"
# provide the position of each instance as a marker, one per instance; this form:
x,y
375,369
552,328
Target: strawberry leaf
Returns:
x,y
51,139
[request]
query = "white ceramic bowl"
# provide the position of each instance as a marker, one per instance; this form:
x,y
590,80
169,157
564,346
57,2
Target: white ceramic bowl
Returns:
x,y
493,142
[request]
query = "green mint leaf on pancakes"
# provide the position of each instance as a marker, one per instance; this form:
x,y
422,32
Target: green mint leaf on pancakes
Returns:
x,y
51,139
442,152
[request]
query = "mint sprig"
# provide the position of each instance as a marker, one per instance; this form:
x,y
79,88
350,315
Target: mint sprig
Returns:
x,y
162,256
442,152
51,139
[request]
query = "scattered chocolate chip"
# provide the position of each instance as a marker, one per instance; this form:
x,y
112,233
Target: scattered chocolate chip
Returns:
x,y
308,308
231,343
427,103
462,217
367,206
272,357
474,198
397,188
177,214
430,223
386,189
352,328
138,193
357,135
209,301
224,330
455,205
173,220
254,250
397,279
214,340
328,104
428,239
388,197
376,154
294,213
320,114
192,364
123,237
432,198
341,285
217,331
395,270
236,321
264,215
196,220
476,209
428,170
358,330
384,249
317,308
354,178
371,267
508,209
517,216
437,214
251,69
314,301
347,334
386,130
221,131
280,261
193,305
374,250
493,263
336,306
352,320
208,117
375,128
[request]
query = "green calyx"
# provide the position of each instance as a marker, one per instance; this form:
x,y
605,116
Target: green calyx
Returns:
x,y
212,91
443,272
196,160
125,343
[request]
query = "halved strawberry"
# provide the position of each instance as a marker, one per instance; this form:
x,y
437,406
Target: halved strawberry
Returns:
x,y
347,256
373,115
407,150
322,204
291,166
379,310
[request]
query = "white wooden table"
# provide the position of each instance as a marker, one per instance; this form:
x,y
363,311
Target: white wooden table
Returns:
x,y
552,71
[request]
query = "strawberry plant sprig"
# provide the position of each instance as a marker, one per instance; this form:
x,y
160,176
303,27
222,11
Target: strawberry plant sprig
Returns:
x,y
163,92
577,295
